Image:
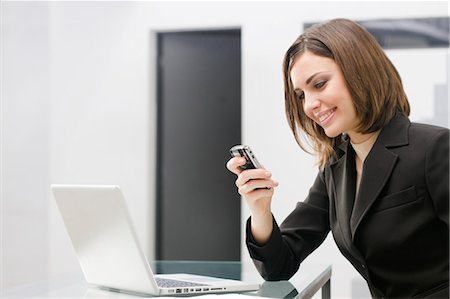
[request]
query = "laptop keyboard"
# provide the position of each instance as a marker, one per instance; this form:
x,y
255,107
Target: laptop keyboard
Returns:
x,y
171,283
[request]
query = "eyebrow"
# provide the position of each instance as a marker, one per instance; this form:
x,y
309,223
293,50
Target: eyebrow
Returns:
x,y
308,81
312,77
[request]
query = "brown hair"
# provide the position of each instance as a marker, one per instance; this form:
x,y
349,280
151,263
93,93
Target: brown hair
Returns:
x,y
371,78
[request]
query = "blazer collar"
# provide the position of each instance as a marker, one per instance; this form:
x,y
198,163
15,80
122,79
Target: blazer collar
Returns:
x,y
395,133
377,169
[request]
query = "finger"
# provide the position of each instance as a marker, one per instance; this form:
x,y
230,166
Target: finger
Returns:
x,y
252,174
259,194
254,185
234,163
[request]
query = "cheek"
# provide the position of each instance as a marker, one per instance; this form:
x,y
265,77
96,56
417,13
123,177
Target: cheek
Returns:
x,y
350,108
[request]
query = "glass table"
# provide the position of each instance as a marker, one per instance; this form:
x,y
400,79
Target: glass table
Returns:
x,y
309,280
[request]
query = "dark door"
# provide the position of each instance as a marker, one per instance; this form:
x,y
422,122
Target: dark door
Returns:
x,y
199,119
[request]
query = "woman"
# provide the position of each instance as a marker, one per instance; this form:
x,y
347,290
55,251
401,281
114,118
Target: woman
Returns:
x,y
383,184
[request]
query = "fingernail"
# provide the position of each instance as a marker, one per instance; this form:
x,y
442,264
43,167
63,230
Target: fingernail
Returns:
x,y
268,173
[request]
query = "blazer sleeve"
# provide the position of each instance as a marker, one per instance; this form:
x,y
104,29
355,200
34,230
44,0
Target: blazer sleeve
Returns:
x,y
299,235
436,172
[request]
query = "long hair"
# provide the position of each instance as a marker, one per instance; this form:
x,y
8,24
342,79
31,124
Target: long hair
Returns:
x,y
371,78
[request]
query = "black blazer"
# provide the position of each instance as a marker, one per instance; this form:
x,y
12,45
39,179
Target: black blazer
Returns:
x,y
395,233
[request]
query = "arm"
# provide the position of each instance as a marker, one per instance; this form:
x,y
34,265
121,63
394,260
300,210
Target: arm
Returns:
x,y
256,186
436,173
299,235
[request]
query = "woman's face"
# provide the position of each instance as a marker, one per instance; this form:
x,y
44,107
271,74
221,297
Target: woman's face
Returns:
x,y
320,86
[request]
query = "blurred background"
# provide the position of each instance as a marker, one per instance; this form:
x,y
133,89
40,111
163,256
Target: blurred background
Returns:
x,y
150,96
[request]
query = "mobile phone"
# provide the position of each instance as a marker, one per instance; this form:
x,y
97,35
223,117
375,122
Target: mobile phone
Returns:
x,y
246,152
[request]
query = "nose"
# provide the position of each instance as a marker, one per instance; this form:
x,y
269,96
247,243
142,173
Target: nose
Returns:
x,y
311,103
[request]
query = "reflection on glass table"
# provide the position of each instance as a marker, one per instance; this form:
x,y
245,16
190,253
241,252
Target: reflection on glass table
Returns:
x,y
310,279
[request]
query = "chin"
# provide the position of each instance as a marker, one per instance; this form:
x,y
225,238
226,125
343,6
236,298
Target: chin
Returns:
x,y
332,133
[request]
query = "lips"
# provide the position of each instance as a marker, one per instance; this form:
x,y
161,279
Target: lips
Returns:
x,y
324,116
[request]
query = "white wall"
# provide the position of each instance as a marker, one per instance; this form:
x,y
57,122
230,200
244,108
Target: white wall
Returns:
x,y
101,120
24,142
96,120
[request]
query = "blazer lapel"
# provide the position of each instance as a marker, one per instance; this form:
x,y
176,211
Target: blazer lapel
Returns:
x,y
344,178
378,167
375,175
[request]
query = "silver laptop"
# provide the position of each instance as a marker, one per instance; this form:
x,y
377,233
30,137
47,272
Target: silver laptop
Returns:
x,y
100,228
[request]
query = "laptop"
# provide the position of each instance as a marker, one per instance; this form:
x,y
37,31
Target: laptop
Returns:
x,y
102,234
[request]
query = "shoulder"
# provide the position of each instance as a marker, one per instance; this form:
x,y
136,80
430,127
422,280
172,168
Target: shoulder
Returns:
x,y
427,128
400,131
427,134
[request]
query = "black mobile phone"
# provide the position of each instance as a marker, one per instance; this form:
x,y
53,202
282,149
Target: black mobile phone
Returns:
x,y
246,152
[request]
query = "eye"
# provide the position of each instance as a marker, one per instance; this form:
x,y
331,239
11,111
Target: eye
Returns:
x,y
320,84
300,95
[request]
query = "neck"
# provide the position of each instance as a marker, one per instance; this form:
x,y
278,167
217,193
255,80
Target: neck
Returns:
x,y
357,138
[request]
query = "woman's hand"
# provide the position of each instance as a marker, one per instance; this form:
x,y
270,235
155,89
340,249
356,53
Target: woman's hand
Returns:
x,y
257,187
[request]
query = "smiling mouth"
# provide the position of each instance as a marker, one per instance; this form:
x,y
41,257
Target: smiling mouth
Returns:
x,y
326,116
